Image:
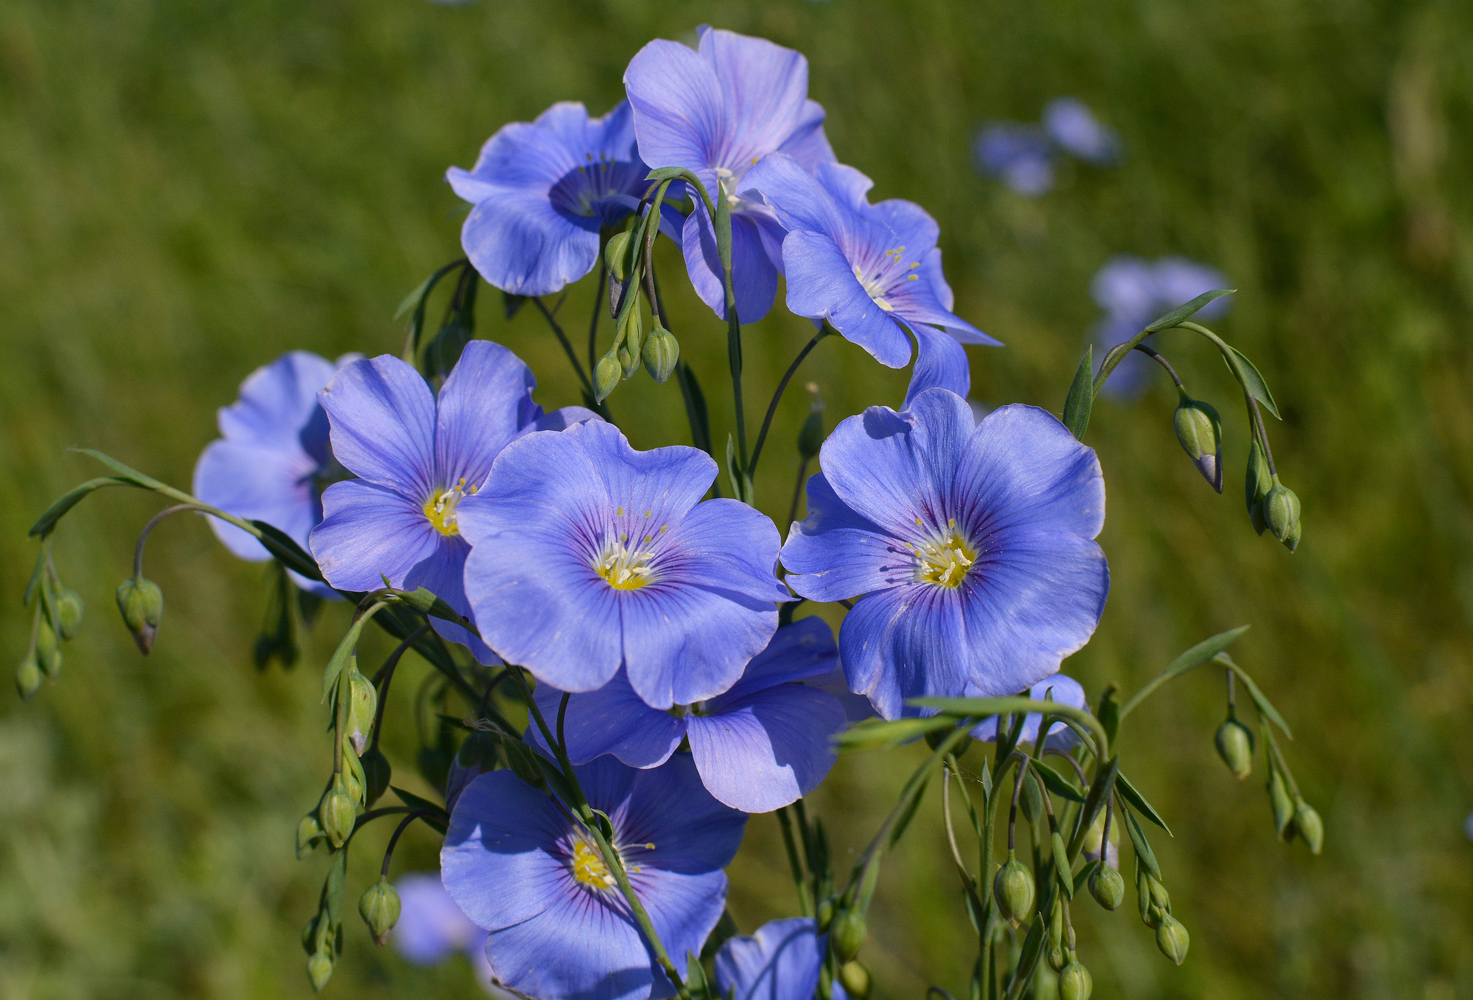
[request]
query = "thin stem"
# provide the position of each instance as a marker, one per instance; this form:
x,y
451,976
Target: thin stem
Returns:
x,y
386,677
1105,832
1161,360
143,535
1232,690
776,396
598,307
562,338
956,854
1268,453
798,489
394,839
1078,768
562,713
1013,806
616,865
805,900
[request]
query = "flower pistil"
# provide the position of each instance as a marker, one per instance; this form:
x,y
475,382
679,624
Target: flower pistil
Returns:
x,y
440,508
944,558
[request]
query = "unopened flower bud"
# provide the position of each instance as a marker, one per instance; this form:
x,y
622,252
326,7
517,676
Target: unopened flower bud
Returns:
x,y
28,678
1172,938
1107,887
1160,898
1256,484
1012,886
309,833
660,352
1283,805
616,255
337,815
1075,982
825,915
855,979
379,907
1200,432
1057,954
1281,512
142,604
353,780
1307,824
632,338
1030,803
319,970
362,705
1291,540
68,607
606,375
48,650
1235,747
846,934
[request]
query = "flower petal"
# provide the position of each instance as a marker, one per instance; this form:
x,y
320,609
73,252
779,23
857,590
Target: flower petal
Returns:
x,y
369,532
781,961
835,554
577,949
678,107
430,925
521,244
753,275
941,362
808,144
263,482
764,91
1060,688
821,284
908,642
383,424
798,651
277,400
699,838
612,720
478,412
443,573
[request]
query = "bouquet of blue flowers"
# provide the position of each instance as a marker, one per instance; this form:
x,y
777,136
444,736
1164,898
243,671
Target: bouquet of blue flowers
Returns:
x,y
627,656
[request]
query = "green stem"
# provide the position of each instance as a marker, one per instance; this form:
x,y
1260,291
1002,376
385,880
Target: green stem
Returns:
x,y
562,338
805,899
776,396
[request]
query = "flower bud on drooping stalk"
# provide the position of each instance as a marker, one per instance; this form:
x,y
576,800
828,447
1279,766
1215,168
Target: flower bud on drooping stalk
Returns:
x,y
379,906
616,256
1256,484
1235,746
631,338
309,832
847,934
1307,824
606,375
354,781
1107,886
1075,982
1281,514
660,353
142,605
68,614
825,915
1172,938
362,706
1058,943
855,979
48,649
28,678
337,815
1199,430
1013,888
319,970
1279,799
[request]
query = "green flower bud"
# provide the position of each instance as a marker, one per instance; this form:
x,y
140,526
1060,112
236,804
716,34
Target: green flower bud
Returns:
x,y
309,935
353,780
142,605
28,678
1235,747
1283,805
1172,938
379,907
660,352
309,834
1200,432
1256,484
48,650
1046,982
362,704
1281,512
1291,540
616,255
376,774
68,607
1075,982
1107,887
1308,824
1143,895
319,970
855,979
632,331
1160,898
1012,886
1057,955
337,815
1030,803
825,915
846,934
606,375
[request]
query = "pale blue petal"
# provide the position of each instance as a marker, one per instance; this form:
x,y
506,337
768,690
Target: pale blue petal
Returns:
x,y
754,278
764,91
521,244
277,400
478,412
821,284
941,363
808,144
612,720
781,961
383,424
443,573
835,554
263,482
801,650
369,532
904,643
678,106
579,948
431,927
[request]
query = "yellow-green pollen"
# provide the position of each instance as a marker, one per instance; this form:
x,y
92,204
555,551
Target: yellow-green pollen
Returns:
x,y
589,868
627,567
945,558
440,508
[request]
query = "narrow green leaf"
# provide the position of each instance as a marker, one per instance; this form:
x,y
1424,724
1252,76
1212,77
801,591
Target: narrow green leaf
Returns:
x,y
70,499
132,475
1187,311
1099,794
411,301
1139,842
285,548
908,813
1264,705
332,887
1081,396
340,657
437,815
1032,949
873,733
1202,652
1109,712
1056,782
1138,800
1250,378
1084,873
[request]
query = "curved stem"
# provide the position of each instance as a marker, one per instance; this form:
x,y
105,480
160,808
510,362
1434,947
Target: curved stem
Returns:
x,y
394,840
778,395
143,535
598,307
1161,360
805,901
562,338
386,677
562,713
1268,453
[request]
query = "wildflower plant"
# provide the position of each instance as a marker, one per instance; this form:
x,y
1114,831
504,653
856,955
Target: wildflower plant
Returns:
x,y
626,666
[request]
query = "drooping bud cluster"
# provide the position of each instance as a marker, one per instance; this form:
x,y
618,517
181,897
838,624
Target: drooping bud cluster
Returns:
x,y
142,605
1235,746
1013,889
379,906
1199,430
57,619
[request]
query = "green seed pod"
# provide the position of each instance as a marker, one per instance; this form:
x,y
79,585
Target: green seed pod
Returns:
x,y
606,375
1143,894
362,705
1057,954
825,915
1308,824
1283,805
1235,747
309,834
1107,887
1012,887
1172,938
68,607
846,934
855,979
1030,803
142,604
48,650
1256,484
337,816
1075,982
616,255
379,907
28,678
376,775
1281,511
1200,432
319,970
660,353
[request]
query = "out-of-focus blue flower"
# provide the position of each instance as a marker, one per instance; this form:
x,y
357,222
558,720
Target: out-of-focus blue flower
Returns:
x,y
1070,124
272,459
418,457
542,190
717,111
1060,688
520,866
431,927
781,961
1133,292
872,271
759,746
972,545
588,556
1018,155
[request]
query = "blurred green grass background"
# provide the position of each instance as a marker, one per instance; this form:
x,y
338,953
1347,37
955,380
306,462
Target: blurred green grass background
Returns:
x,y
189,189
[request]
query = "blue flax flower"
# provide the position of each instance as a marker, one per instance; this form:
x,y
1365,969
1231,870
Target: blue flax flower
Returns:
x,y
873,271
781,961
971,545
431,927
1060,688
759,746
542,191
588,555
521,867
717,111
1133,292
272,460
1074,128
418,457
1018,155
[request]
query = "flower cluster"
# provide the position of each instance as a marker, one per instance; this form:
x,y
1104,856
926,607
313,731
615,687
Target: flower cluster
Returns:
x,y
1023,156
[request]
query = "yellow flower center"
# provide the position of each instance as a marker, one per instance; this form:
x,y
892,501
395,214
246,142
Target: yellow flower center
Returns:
x,y
440,508
589,867
945,558
625,568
